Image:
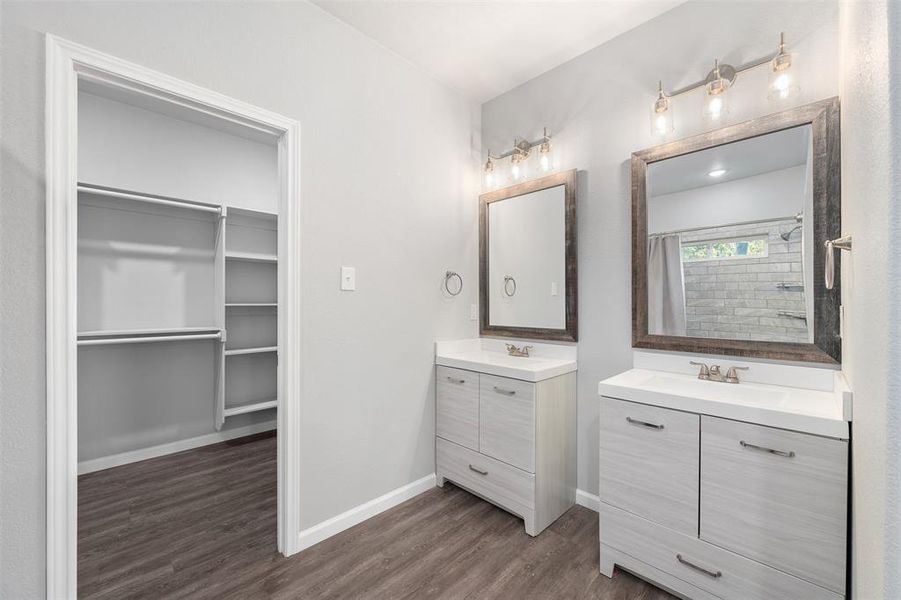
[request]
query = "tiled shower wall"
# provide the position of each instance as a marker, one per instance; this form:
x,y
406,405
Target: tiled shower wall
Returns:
x,y
740,298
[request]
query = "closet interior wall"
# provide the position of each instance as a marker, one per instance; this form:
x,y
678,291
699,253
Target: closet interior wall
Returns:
x,y
177,276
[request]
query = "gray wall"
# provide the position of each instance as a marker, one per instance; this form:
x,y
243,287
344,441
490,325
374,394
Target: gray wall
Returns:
x,y
386,159
871,280
597,107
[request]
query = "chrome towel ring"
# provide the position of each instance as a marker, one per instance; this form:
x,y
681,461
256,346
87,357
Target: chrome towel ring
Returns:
x,y
508,280
448,276
842,243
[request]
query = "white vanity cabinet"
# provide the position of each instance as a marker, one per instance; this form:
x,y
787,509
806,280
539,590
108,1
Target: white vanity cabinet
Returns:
x,y
509,441
713,507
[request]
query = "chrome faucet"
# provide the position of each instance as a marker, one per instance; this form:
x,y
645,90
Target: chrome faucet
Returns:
x,y
514,351
714,373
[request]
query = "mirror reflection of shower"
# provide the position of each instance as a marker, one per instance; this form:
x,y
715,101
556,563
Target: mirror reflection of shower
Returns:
x,y
787,235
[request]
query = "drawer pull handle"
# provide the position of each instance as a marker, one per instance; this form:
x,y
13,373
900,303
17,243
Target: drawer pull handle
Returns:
x,y
503,391
643,423
786,454
709,573
452,380
479,471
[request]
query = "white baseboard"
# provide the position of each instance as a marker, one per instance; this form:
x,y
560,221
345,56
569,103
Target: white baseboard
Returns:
x,y
124,458
587,500
317,533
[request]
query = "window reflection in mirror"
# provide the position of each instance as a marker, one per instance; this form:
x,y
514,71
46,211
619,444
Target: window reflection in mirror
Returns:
x,y
527,260
730,244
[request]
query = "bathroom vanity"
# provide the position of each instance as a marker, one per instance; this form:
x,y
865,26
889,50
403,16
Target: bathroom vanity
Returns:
x,y
717,490
506,426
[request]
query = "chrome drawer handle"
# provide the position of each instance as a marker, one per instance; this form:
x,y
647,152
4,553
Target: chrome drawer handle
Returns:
x,y
479,471
643,423
452,380
709,573
786,454
503,391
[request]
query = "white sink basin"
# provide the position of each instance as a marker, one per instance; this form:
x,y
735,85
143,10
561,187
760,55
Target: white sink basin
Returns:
x,y
807,410
478,358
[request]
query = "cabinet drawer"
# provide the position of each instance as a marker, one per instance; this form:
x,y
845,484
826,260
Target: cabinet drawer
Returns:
x,y
649,462
776,496
507,420
507,486
714,570
457,410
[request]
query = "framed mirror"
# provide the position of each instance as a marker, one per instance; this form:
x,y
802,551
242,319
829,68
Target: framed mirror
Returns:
x,y
527,260
728,233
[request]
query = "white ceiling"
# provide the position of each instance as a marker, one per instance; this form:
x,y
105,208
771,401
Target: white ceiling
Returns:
x,y
754,156
484,49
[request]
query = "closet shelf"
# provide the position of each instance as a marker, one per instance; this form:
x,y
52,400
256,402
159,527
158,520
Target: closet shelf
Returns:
x,y
136,332
251,257
249,407
258,350
149,198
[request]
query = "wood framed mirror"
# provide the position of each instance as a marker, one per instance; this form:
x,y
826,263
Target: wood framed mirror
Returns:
x,y
527,260
728,233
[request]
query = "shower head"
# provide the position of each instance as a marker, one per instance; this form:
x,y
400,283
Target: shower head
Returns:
x,y
785,236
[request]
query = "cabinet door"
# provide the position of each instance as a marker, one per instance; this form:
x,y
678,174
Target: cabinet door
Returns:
x,y
649,462
457,411
507,421
776,496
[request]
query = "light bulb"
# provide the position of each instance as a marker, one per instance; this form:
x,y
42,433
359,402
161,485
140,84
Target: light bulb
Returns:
x,y
489,171
661,114
515,170
544,151
716,103
783,83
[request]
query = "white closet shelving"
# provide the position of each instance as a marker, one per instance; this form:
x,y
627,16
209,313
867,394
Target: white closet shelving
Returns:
x,y
249,357
157,269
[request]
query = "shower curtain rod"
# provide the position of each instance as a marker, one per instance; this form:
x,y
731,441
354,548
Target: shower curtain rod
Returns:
x,y
798,217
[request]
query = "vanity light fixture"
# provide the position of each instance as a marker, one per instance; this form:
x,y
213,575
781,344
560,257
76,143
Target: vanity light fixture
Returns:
x,y
716,104
489,171
518,156
717,173
662,114
545,151
783,84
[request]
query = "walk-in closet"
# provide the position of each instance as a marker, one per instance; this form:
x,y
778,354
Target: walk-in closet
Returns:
x,y
177,322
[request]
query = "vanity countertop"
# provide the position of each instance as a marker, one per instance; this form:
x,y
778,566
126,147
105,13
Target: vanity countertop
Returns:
x,y
490,356
816,411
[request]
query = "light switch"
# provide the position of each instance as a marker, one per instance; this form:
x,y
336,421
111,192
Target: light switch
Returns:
x,y
553,288
473,312
348,279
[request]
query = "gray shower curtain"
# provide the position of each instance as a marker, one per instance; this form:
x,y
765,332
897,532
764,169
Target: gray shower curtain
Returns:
x,y
666,286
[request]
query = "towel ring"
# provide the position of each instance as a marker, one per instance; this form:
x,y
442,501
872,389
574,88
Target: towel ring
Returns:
x,y
508,279
447,277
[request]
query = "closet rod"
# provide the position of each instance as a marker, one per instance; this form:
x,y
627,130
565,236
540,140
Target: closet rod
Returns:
x,y
145,339
150,199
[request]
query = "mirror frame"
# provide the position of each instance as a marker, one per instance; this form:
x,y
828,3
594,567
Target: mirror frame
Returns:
x,y
571,332
823,117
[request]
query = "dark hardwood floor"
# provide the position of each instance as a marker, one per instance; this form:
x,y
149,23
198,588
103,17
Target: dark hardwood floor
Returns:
x,y
201,524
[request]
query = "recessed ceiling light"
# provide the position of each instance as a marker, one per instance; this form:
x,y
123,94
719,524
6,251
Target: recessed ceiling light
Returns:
x,y
717,173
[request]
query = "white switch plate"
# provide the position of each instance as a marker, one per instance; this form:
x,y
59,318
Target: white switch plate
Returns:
x,y
553,288
348,279
473,312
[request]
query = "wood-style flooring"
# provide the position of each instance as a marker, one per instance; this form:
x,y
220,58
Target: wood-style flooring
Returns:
x,y
201,524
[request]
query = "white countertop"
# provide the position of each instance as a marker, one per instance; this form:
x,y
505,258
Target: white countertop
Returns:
x,y
816,411
489,356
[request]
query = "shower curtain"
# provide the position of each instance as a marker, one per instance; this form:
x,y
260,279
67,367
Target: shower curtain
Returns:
x,y
666,286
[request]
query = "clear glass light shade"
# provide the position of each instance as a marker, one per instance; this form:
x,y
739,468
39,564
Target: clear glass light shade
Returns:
x,y
783,83
716,108
545,158
662,123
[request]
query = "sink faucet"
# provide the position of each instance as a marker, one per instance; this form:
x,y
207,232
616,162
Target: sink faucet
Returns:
x,y
514,351
714,373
